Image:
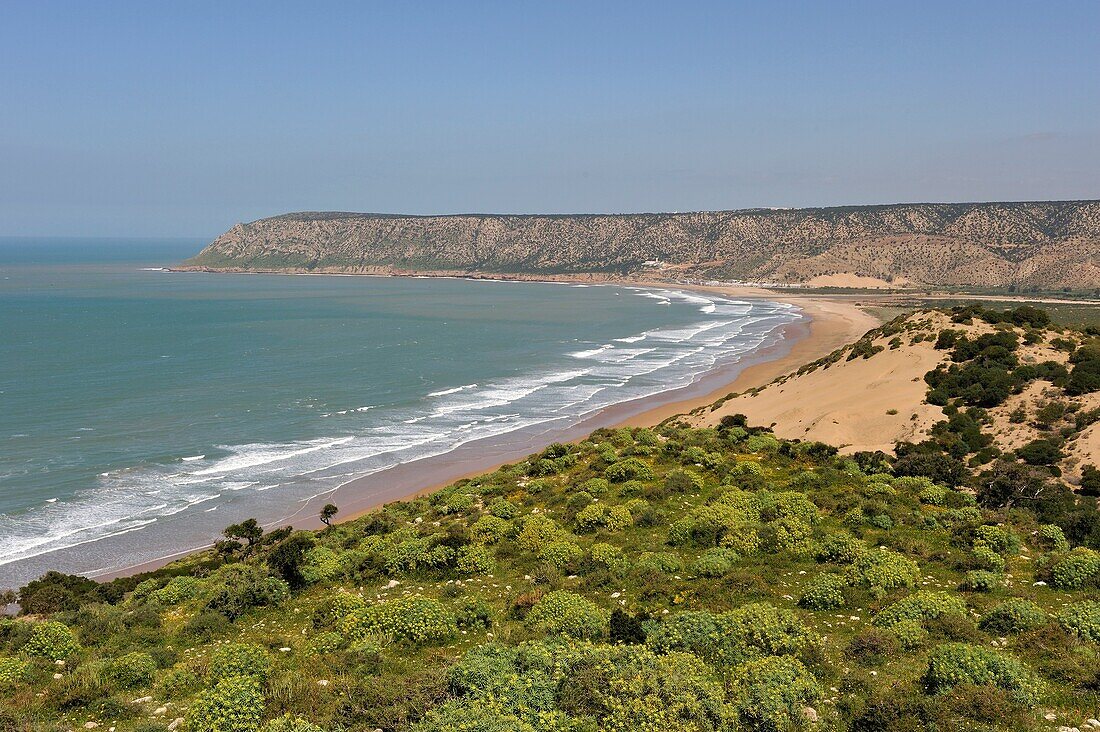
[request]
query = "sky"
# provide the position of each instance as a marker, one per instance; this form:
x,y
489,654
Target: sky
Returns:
x,y
180,119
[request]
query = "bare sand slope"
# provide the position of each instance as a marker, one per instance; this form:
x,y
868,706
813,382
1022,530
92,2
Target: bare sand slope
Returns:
x,y
861,404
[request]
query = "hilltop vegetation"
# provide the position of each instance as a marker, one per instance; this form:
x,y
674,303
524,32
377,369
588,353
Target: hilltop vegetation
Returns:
x,y
675,578
1051,245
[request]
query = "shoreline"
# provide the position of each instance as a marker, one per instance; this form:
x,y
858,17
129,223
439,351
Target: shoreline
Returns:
x,y
827,324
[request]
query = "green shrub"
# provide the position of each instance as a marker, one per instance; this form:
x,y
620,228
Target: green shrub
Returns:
x,y
920,606
320,564
287,723
715,562
176,682
980,580
490,530
474,614
539,531
236,588
666,562
474,559
910,633
132,670
567,614
730,638
11,671
769,693
628,469
1075,570
413,619
335,607
1051,538
326,642
997,538
502,508
595,515
840,548
987,559
1013,616
560,554
606,554
51,640
235,704
628,688
883,570
1082,618
177,590
824,592
683,481
959,663
239,659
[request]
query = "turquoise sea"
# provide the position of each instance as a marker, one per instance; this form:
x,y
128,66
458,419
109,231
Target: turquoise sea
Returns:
x,y
142,410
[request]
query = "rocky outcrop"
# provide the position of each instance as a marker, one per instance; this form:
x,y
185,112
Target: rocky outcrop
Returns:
x,y
1047,245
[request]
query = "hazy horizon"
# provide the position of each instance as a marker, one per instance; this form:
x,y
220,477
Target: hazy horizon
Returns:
x,y
135,120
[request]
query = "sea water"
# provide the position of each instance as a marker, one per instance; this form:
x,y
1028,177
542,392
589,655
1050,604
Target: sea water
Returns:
x,y
143,410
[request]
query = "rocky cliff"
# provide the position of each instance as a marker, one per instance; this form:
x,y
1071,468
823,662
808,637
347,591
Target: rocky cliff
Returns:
x,y
1048,245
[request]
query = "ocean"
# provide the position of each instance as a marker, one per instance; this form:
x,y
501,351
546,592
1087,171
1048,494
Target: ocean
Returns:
x,y
141,410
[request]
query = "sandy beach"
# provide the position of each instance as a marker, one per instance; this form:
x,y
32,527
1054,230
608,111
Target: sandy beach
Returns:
x,y
829,324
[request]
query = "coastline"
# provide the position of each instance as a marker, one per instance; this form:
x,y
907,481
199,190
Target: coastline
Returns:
x,y
828,324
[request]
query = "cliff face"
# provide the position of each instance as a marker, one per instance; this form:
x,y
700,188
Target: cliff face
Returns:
x,y
1049,245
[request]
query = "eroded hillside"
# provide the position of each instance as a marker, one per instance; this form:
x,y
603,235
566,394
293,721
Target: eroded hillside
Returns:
x,y
1049,245
972,387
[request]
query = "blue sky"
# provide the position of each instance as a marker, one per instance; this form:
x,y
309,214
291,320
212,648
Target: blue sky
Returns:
x,y
179,119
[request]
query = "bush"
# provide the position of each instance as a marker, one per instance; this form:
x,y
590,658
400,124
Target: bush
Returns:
x,y
628,688
132,670
1075,570
414,620
715,562
958,663
51,640
239,587
1040,452
683,481
882,570
595,515
725,640
628,469
769,693
177,590
490,530
502,508
605,554
239,659
326,642
840,548
568,614
665,562
980,580
474,559
474,614
235,704
920,606
287,723
1051,538
1082,618
997,538
11,671
824,592
561,554
1013,616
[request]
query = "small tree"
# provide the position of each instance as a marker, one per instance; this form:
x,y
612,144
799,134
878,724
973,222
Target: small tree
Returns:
x,y
328,513
249,530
